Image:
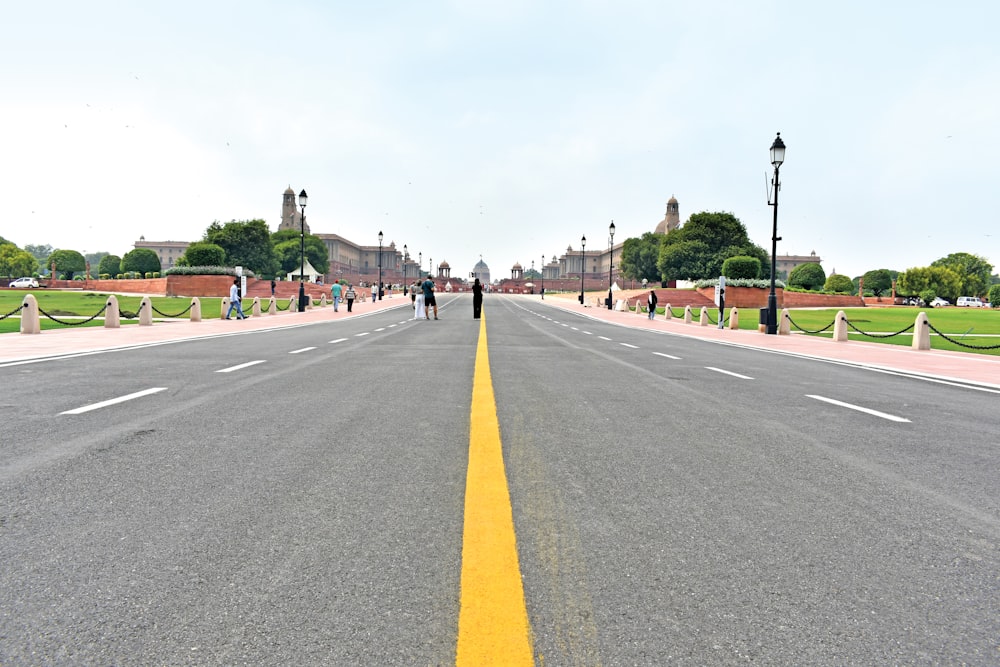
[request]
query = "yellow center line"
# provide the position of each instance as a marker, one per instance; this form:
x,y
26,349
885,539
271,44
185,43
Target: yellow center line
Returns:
x,y
493,624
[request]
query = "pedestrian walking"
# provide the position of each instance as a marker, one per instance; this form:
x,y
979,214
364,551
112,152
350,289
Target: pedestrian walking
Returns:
x,y
429,300
336,291
651,302
477,299
413,295
234,301
374,292
350,295
273,285
419,312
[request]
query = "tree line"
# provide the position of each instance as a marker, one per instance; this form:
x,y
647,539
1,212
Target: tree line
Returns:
x,y
713,244
246,243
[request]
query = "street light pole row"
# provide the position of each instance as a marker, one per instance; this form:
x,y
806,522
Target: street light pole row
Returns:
x,y
777,158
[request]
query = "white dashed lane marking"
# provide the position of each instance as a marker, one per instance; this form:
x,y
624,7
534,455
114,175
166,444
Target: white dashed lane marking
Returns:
x,y
725,372
114,401
851,406
241,366
304,349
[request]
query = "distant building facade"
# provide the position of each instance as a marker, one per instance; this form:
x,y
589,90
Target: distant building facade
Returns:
x,y
167,251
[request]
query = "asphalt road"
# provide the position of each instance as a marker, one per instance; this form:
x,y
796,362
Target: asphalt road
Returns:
x,y
295,496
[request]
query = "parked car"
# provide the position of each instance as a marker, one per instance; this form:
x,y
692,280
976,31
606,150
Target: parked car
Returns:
x,y
969,302
938,302
25,282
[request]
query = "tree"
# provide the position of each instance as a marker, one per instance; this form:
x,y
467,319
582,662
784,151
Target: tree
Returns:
x,y
247,243
110,265
839,284
716,237
877,281
316,251
973,271
993,296
202,254
944,282
810,276
67,262
40,252
639,256
15,262
683,261
141,260
741,266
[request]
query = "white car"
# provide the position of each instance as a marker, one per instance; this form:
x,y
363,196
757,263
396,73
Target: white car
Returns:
x,y
938,302
24,282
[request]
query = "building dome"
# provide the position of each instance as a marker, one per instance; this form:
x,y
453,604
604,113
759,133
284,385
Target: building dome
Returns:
x,y
517,266
444,265
481,266
289,191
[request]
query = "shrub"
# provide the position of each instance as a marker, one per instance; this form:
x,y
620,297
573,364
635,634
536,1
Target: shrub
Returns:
x,y
927,296
810,276
104,276
741,266
206,271
839,284
994,296
119,276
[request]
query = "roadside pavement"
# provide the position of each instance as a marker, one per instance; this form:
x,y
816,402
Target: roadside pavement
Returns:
x,y
967,368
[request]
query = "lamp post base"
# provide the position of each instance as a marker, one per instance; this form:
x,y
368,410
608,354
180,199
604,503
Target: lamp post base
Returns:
x,y
302,297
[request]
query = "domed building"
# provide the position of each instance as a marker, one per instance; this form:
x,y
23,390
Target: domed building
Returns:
x,y
291,216
481,271
516,271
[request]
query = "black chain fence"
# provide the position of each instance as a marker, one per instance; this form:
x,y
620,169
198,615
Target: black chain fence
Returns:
x,y
73,324
874,335
809,331
287,306
180,314
13,312
960,343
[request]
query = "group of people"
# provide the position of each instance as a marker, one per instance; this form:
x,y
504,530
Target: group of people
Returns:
x,y
423,300
421,296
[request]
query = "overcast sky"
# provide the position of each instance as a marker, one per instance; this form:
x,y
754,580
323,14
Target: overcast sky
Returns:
x,y
506,129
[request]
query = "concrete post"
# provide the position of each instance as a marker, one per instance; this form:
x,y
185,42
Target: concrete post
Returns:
x,y
921,333
30,323
256,306
145,312
224,308
293,306
734,319
666,312
638,306
703,317
785,323
112,315
195,309
840,327
272,306
687,314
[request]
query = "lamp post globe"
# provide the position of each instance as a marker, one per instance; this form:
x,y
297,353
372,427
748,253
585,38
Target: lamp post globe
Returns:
x,y
583,264
777,158
611,260
303,198
380,266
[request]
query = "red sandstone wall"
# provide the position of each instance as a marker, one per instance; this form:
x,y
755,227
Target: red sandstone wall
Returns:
x,y
756,297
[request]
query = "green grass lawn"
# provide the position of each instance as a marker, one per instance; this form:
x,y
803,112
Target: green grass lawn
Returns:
x,y
76,305
971,326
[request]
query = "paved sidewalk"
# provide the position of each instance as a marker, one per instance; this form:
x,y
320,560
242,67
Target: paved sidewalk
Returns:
x,y
979,369
982,370
16,347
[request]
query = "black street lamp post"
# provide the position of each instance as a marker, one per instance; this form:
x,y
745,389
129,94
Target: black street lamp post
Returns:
x,y
541,272
777,157
406,256
303,197
583,264
611,261
380,266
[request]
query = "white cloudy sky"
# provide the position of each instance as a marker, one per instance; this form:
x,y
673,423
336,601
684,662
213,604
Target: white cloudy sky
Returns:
x,y
505,128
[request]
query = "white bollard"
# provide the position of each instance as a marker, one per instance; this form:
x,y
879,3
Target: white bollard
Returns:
x,y
666,312
785,323
195,309
272,306
112,314
30,322
145,312
734,318
687,314
224,307
921,332
703,317
256,306
840,327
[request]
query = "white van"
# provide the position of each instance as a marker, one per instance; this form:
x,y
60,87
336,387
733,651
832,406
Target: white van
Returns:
x,y
969,301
